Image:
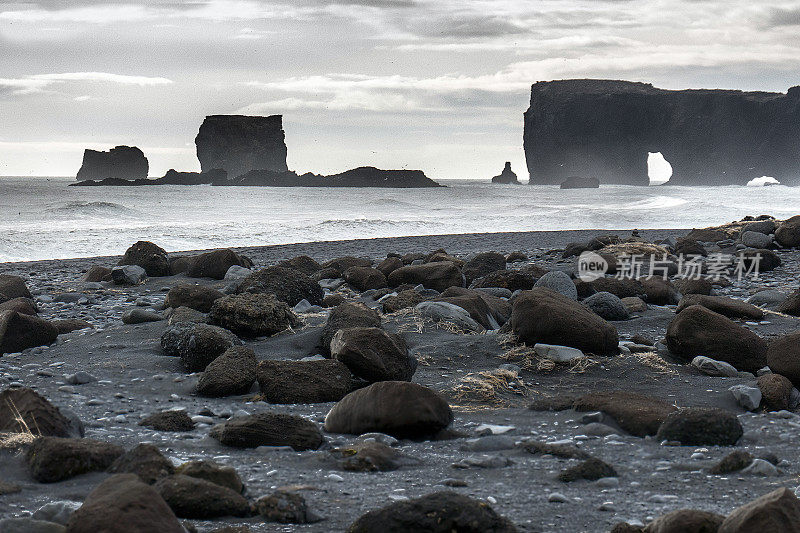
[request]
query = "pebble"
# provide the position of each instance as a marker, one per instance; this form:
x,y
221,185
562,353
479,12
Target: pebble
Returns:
x,y
80,378
557,497
607,482
335,477
760,467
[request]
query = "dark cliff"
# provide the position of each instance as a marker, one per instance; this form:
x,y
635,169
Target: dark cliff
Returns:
x,y
121,162
239,144
605,128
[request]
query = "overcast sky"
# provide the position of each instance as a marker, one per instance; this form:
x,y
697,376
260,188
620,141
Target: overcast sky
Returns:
x,y
438,85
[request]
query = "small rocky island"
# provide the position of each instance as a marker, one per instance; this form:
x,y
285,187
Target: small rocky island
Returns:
x,y
507,176
241,150
121,162
605,128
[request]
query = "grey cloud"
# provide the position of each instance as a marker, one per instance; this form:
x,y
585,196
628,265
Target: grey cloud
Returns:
x,y
783,17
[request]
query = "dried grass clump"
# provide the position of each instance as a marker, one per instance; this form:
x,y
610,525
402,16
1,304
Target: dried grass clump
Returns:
x,y
654,362
488,386
416,323
635,248
15,441
527,359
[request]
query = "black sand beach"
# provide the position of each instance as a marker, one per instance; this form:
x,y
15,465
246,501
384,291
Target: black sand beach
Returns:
x,y
529,402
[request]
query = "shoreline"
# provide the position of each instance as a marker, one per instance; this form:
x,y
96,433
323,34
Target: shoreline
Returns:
x,y
461,243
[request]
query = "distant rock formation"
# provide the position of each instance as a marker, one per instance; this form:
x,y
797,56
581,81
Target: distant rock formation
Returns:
x,y
121,162
239,144
577,182
605,128
358,177
172,177
507,176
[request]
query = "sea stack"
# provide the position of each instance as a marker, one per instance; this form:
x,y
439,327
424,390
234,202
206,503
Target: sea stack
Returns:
x,y
122,162
507,176
605,128
239,144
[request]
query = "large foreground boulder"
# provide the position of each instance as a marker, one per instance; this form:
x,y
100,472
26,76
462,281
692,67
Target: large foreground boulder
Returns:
x,y
686,521
232,373
26,306
398,408
144,460
699,331
287,285
194,297
269,429
489,311
364,278
19,331
373,355
778,512
701,426
124,499
54,459
438,275
22,410
315,381
636,413
252,314
215,264
545,316
348,315
152,258
783,357
440,512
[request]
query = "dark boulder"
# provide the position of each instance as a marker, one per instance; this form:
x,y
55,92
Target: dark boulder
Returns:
x,y
790,306
700,331
512,280
176,420
619,287
783,357
195,297
788,233
13,287
398,408
389,265
776,391
340,264
286,508
483,264
440,512
54,459
364,278
489,311
301,263
287,285
152,258
124,499
607,306
22,305
191,497
687,286
686,521
403,300
252,314
701,426
438,275
121,162
777,511
723,305
659,291
144,460
19,331
304,381
591,469
224,476
22,410
638,414
269,429
197,344
232,373
216,264
68,325
373,355
545,316
96,274
348,315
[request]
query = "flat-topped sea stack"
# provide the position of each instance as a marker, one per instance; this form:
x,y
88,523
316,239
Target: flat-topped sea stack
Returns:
x,y
577,182
606,128
121,162
357,177
507,176
239,144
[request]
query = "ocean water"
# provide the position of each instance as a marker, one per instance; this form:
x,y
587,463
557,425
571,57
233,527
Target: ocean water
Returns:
x,y
43,218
